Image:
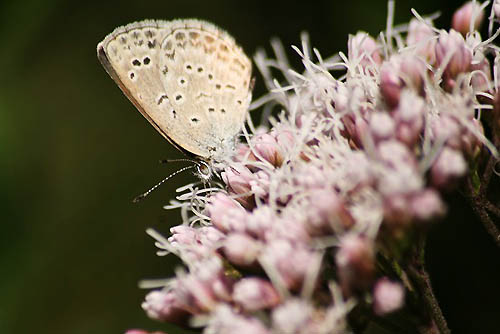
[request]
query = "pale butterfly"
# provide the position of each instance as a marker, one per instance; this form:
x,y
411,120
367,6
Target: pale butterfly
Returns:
x,y
188,78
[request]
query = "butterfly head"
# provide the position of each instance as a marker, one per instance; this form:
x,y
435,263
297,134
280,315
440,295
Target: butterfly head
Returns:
x,y
204,170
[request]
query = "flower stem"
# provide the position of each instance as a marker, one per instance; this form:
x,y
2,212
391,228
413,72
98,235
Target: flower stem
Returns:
x,y
480,203
420,277
479,207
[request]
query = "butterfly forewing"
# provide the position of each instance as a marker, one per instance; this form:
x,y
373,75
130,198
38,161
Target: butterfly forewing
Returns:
x,y
187,77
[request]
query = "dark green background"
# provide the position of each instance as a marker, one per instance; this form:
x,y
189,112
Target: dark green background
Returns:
x,y
74,152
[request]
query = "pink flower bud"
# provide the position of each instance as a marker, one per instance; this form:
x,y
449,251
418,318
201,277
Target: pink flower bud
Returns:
x,y
226,321
470,144
204,286
363,48
349,130
260,184
381,125
195,243
419,31
422,37
396,155
355,261
405,70
205,235
411,109
427,205
361,129
260,222
387,296
244,154
183,235
291,261
453,44
241,249
390,82
291,227
447,128
164,306
469,13
410,118
209,236
413,70
328,213
407,133
267,147
397,214
255,294
496,8
284,138
448,167
294,316
398,181
225,213
358,171
340,97
238,178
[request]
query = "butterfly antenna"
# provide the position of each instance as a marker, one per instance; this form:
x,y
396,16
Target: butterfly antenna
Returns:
x,y
166,161
142,196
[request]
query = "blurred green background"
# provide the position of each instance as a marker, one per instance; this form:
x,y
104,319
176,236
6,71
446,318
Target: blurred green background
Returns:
x,y
74,152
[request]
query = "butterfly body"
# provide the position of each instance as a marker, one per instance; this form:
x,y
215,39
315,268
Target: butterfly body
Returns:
x,y
188,78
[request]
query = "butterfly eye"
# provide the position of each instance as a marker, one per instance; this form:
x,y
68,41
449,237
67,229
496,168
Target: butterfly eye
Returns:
x,y
204,171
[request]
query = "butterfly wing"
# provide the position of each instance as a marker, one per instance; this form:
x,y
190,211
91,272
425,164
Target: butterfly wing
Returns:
x,y
187,77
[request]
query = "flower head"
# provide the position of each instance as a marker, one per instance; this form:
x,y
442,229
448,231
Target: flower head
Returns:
x,y
352,168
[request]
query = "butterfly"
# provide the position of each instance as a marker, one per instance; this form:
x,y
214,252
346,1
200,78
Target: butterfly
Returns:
x,y
188,78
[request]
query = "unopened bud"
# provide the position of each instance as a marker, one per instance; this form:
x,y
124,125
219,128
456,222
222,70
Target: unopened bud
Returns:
x,y
451,48
255,294
387,296
363,48
468,16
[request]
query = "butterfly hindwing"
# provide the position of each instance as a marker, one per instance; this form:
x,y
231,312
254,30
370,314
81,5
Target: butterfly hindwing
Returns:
x,y
187,77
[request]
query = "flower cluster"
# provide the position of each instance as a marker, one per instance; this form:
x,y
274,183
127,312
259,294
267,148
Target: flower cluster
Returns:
x,y
353,167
